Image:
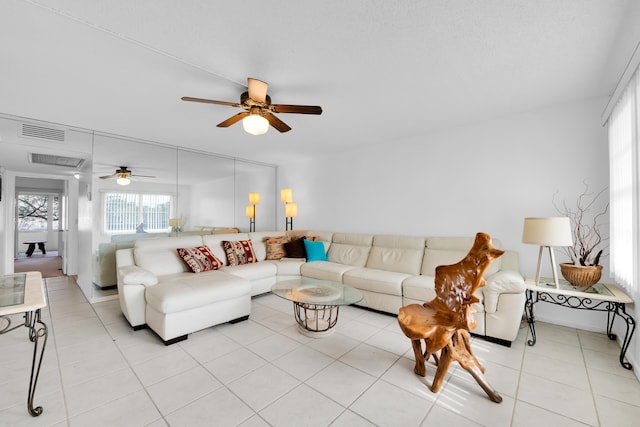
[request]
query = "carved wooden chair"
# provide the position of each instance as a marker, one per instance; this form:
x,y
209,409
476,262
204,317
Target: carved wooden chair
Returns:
x,y
444,322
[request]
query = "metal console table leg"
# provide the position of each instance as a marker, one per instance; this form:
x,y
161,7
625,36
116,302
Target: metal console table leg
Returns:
x,y
38,334
612,308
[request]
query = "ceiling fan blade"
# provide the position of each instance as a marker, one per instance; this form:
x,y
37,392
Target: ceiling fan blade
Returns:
x,y
233,119
257,90
108,176
210,101
276,122
299,109
142,176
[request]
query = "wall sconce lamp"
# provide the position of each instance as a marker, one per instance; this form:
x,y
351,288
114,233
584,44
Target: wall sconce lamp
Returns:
x,y
175,224
290,212
547,232
255,123
250,212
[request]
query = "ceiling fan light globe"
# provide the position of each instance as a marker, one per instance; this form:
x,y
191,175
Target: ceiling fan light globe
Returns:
x,y
255,124
123,181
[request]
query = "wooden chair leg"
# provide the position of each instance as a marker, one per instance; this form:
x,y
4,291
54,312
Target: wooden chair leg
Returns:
x,y
466,359
420,368
444,362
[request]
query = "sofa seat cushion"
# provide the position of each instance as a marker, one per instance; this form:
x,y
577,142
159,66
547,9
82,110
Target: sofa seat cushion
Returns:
x,y
184,291
374,280
324,270
288,266
252,271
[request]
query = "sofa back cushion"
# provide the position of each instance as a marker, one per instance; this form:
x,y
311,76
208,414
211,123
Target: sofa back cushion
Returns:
x,y
401,254
214,241
450,250
259,241
160,255
350,249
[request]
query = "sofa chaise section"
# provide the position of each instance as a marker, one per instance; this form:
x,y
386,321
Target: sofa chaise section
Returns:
x,y
179,302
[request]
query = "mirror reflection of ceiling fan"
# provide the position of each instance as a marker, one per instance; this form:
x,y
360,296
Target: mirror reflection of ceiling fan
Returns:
x,y
258,114
123,175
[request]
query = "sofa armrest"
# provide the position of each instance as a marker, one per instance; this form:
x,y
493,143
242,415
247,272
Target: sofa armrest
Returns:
x,y
502,282
134,275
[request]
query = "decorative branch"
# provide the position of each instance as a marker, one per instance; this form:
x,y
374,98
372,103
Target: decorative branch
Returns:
x,y
587,236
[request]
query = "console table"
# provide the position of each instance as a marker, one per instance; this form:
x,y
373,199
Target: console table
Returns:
x,y
598,297
24,293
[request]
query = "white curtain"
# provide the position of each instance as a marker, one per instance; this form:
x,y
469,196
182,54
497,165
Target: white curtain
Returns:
x,y
624,124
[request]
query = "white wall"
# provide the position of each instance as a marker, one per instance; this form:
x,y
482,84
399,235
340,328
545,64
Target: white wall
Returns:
x,y
484,177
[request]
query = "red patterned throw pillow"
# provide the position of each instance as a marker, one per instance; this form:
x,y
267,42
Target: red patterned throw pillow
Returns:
x,y
239,252
199,259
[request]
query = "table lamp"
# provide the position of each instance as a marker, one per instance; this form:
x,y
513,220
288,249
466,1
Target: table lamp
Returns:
x,y
547,232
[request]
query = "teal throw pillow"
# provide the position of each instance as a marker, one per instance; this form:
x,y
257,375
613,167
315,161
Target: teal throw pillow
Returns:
x,y
315,251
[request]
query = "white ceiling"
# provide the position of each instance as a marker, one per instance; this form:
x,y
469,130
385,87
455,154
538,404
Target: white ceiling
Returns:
x,y
381,70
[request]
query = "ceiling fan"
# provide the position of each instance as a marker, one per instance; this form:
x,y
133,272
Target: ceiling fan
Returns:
x,y
123,174
258,114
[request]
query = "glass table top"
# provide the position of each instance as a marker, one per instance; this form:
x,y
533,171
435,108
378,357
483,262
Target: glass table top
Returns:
x,y
598,288
319,292
12,287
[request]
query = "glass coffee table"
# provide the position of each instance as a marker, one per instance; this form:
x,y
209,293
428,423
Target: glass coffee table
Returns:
x,y
316,303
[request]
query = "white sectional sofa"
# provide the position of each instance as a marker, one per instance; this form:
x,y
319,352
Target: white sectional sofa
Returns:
x,y
157,289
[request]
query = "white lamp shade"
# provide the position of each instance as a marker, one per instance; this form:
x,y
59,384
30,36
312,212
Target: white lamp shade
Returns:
x,y
550,231
255,124
291,210
123,180
254,198
286,195
250,212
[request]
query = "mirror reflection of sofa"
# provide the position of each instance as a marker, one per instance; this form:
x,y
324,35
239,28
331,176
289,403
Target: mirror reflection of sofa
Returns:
x,y
104,259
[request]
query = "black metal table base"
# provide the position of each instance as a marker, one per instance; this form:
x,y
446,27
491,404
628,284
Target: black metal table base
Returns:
x,y
38,334
612,308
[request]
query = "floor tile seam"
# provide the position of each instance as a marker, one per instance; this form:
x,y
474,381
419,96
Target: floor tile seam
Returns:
x,y
55,346
590,382
144,388
614,371
516,397
201,364
128,366
350,407
21,406
398,357
312,387
265,405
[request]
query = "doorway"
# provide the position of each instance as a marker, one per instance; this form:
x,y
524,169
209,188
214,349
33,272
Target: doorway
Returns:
x,y
39,226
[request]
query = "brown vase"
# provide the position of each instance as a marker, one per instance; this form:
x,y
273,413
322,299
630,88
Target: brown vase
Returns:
x,y
581,275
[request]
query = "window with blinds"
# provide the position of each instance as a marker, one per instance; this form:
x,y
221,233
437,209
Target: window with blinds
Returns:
x,y
624,135
132,212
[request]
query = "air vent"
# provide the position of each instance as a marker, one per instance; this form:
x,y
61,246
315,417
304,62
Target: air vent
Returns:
x,y
49,159
41,132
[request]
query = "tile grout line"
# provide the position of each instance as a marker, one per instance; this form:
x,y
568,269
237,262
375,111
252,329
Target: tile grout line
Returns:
x,y
55,346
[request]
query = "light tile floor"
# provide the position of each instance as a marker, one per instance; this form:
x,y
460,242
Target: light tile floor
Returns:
x,y
98,372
